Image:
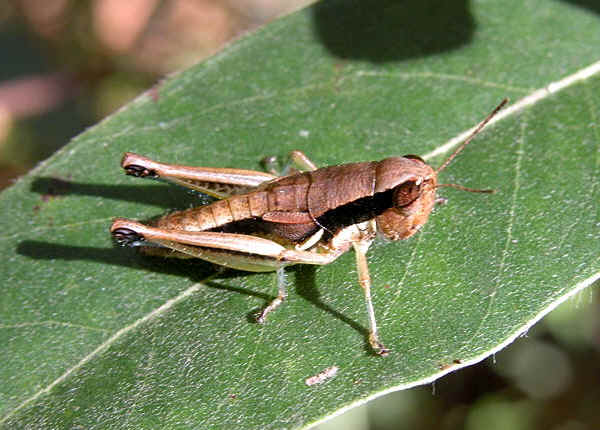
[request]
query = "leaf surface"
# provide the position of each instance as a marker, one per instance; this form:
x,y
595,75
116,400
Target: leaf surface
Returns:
x,y
97,336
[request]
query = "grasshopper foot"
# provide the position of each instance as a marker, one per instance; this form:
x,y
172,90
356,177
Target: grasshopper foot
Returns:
x,y
281,295
271,165
377,346
272,306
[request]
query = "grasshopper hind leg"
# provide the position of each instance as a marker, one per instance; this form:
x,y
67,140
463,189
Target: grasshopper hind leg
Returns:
x,y
216,182
128,237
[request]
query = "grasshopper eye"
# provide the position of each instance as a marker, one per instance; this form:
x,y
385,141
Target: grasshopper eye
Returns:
x,y
415,157
406,193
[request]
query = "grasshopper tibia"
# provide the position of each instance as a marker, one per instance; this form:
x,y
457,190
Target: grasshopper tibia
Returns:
x,y
281,296
364,279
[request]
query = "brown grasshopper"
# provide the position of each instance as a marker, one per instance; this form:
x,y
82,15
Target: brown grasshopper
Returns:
x,y
262,222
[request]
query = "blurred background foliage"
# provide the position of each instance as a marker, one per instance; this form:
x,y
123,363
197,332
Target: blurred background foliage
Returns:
x,y
68,63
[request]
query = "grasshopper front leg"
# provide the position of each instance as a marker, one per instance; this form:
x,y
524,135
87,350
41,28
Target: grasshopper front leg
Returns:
x,y
364,279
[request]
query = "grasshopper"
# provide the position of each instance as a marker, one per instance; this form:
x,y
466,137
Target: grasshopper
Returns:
x,y
262,222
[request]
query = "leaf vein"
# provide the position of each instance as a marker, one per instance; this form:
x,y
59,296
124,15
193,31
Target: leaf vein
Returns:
x,y
52,322
104,346
443,77
509,236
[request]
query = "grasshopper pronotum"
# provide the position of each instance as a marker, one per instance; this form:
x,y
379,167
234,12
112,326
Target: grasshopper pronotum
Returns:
x,y
262,222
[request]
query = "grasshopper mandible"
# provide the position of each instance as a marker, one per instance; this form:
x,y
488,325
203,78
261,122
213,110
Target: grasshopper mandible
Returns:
x,y
262,222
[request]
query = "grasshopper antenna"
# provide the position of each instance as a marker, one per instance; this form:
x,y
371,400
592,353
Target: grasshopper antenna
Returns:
x,y
480,127
460,187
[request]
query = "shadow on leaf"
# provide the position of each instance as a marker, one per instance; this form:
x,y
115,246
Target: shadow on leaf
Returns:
x,y
392,30
164,196
306,287
593,5
194,269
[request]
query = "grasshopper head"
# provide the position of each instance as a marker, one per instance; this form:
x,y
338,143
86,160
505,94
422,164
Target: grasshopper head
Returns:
x,y
412,202
414,197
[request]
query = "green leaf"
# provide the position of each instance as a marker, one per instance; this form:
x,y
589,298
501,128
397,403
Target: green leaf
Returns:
x,y
95,336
